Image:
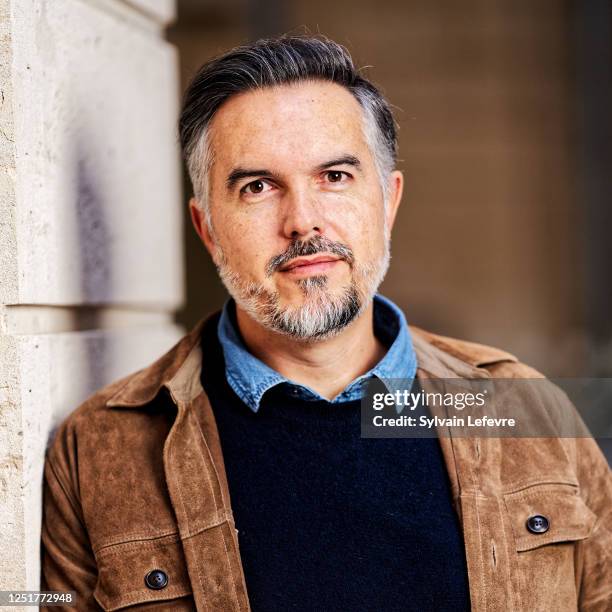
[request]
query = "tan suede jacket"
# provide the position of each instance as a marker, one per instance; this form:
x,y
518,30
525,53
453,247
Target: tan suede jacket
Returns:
x,y
135,481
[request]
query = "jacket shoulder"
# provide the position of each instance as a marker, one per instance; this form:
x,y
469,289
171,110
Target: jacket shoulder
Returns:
x,y
498,362
104,451
89,414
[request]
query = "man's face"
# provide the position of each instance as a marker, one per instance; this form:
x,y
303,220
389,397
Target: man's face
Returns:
x,y
299,231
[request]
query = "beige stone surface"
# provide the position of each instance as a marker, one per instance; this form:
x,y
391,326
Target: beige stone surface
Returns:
x,y
90,226
96,162
162,10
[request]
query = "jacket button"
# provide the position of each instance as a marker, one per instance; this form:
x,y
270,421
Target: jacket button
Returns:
x,y
156,579
538,524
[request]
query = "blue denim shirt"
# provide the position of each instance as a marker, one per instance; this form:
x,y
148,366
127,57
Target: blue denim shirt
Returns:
x,y
250,378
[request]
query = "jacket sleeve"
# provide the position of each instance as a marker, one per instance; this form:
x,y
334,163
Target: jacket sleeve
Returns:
x,y
67,560
595,554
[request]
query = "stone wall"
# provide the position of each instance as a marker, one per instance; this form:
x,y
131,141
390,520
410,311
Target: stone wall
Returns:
x,y
90,226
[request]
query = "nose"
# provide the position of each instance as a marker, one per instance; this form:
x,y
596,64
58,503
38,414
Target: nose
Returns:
x,y
302,214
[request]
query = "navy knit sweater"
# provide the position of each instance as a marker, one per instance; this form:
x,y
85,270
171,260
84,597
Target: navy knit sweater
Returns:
x,y
327,520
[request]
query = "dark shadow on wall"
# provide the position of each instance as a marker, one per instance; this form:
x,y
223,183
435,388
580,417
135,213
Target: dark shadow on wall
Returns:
x,y
95,265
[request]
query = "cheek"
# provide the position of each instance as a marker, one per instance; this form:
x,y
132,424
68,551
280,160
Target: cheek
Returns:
x,y
371,243
360,222
244,248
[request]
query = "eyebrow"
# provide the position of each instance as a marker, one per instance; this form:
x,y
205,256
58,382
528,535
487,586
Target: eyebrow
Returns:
x,y
237,174
344,160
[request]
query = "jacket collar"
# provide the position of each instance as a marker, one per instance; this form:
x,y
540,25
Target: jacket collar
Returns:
x,y
179,369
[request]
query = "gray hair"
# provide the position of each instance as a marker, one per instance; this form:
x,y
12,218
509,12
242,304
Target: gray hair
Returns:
x,y
268,63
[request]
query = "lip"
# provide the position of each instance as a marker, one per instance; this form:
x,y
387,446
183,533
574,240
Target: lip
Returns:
x,y
310,265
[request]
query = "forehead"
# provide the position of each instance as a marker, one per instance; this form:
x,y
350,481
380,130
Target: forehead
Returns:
x,y
299,122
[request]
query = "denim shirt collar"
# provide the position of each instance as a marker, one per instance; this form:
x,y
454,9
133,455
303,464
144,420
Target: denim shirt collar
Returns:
x,y
250,378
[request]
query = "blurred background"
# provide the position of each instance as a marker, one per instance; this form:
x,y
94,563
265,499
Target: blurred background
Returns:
x,y
503,235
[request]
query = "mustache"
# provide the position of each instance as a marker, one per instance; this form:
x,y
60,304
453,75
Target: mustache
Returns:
x,y
317,244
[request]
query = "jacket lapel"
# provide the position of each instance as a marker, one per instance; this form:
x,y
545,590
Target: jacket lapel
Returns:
x,y
201,502
471,463
197,484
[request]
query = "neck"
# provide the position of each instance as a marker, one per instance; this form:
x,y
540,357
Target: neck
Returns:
x,y
327,366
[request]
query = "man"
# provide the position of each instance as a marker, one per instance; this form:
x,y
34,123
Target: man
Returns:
x,y
231,474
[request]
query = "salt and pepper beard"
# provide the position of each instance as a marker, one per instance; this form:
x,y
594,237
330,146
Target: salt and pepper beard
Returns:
x,y
322,315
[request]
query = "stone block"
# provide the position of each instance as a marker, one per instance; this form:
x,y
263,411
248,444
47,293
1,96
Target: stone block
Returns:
x,y
97,181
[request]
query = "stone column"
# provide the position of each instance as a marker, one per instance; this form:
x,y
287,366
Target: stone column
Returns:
x,y
91,266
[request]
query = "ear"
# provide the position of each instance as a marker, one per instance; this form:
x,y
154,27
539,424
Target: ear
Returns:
x,y
396,188
198,218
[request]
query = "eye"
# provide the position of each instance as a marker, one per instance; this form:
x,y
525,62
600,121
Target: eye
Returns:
x,y
336,176
256,187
